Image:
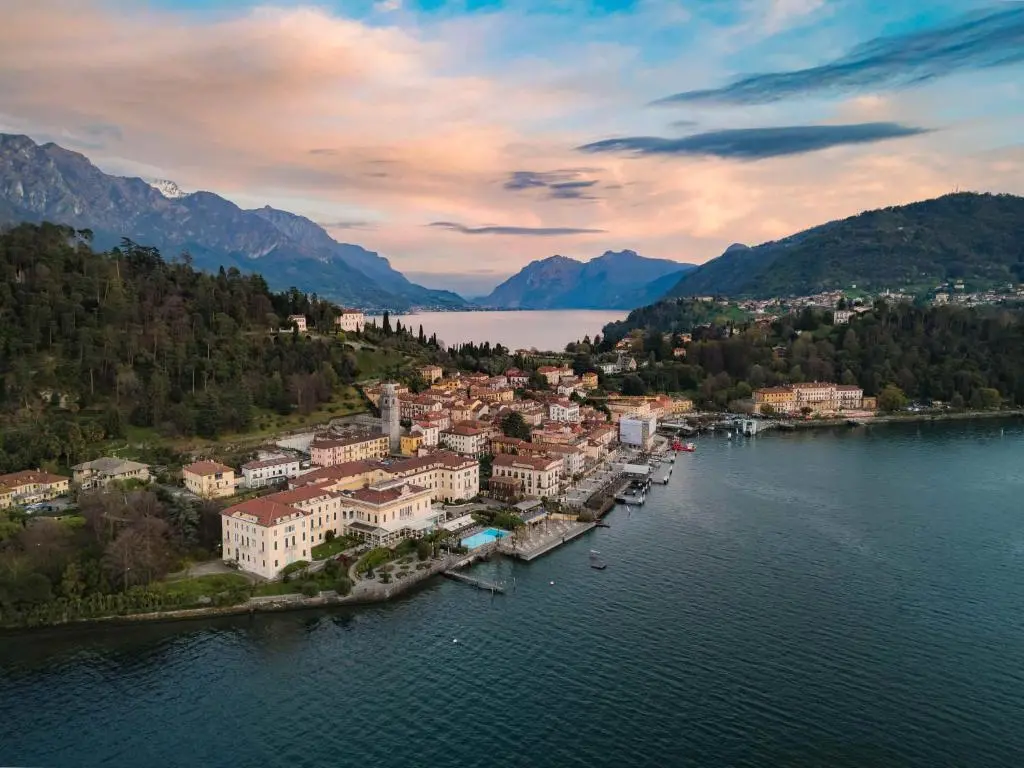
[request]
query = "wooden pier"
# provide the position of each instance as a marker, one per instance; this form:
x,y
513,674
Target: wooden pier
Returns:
x,y
473,582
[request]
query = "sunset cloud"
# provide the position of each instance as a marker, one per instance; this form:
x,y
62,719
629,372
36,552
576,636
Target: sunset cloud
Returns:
x,y
413,131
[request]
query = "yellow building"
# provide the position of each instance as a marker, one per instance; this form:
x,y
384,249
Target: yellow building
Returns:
x,y
431,373
328,451
31,486
778,399
411,444
589,380
209,479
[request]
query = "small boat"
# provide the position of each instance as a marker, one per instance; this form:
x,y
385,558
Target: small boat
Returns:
x,y
595,560
684,447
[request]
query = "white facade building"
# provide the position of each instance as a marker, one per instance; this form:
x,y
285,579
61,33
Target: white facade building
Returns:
x,y
257,474
264,536
469,441
299,321
350,321
564,410
637,431
538,475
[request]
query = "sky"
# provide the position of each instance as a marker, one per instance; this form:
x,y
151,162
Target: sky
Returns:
x,y
465,139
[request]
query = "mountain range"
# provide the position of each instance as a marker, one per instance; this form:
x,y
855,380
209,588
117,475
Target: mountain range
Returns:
x,y
48,182
978,238
614,280
45,182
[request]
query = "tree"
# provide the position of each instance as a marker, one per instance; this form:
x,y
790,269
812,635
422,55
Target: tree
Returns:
x,y
990,398
537,381
514,425
892,399
633,385
385,325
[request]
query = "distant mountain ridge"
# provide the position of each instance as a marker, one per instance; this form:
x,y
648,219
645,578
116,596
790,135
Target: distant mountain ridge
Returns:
x,y
48,182
975,237
614,280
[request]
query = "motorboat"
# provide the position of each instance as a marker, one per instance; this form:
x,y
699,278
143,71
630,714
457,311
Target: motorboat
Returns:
x,y
596,562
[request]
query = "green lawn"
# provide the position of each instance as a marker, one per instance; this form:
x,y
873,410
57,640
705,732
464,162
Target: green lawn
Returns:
x,y
190,590
334,547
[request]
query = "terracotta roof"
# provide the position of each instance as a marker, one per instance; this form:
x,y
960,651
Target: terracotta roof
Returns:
x,y
463,430
266,511
386,495
204,468
30,477
335,473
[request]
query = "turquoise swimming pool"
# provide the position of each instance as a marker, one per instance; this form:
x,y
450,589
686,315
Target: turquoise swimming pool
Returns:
x,y
484,537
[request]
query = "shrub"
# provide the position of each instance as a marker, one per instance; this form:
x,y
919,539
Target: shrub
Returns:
x,y
332,568
288,570
375,557
329,536
343,586
385,577
310,588
423,549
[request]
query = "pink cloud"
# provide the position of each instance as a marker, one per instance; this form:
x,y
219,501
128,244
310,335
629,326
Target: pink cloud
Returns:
x,y
280,104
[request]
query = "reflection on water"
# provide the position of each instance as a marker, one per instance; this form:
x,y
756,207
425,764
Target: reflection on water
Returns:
x,y
841,598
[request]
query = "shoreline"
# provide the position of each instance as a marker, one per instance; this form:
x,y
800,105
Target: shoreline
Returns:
x,y
909,418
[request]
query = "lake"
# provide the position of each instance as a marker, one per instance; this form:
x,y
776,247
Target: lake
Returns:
x,y
826,598
547,330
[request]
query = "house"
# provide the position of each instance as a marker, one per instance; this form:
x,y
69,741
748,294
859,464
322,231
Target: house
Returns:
x,y
431,373
533,476
99,472
841,316
516,378
849,397
30,486
589,380
411,443
564,410
553,374
257,474
328,451
299,321
350,321
573,458
429,431
263,536
209,479
465,439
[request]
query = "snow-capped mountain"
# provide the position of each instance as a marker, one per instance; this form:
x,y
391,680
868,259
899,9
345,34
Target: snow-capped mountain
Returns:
x,y
167,188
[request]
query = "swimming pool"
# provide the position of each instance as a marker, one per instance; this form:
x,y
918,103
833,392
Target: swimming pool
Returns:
x,y
484,537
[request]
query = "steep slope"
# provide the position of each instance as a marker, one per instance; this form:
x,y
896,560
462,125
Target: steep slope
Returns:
x,y
312,237
50,183
614,280
974,237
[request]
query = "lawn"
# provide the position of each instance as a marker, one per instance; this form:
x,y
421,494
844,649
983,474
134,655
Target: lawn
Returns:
x,y
333,547
190,590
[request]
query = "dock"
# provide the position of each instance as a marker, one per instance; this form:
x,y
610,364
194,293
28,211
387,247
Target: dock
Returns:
x,y
488,586
543,542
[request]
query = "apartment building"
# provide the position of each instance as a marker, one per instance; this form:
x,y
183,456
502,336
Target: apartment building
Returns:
x,y
553,374
31,486
209,479
537,475
777,399
431,373
564,410
328,451
465,439
258,474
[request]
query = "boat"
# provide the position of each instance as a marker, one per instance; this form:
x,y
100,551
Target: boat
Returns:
x,y
596,562
684,447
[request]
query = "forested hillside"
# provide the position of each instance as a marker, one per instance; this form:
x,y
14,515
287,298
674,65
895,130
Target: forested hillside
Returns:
x,y
953,354
91,342
977,238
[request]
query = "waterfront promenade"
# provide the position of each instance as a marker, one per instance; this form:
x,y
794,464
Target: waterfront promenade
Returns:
x,y
540,539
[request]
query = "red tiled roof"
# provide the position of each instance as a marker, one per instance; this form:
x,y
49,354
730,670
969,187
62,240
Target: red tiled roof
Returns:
x,y
383,495
298,495
340,442
30,477
270,463
204,468
266,511
335,473
533,462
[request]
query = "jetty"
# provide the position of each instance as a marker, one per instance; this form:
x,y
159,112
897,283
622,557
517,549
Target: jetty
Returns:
x,y
489,586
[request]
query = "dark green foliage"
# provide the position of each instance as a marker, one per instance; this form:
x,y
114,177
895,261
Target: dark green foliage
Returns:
x,y
977,238
669,317
127,336
514,425
971,356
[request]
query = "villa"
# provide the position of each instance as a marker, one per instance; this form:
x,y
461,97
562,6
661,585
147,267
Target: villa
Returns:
x,y
31,486
350,321
209,479
99,472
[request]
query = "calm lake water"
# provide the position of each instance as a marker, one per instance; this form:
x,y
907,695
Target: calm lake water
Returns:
x,y
818,599
545,330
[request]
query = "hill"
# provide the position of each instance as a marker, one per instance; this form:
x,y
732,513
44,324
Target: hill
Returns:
x,y
973,237
48,183
614,280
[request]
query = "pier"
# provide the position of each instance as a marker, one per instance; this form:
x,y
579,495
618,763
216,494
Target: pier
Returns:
x,y
474,582
543,540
